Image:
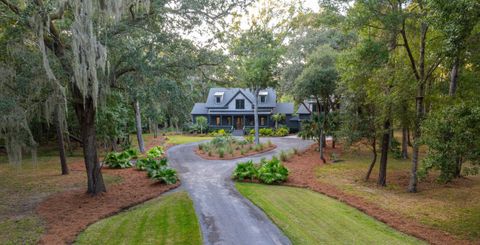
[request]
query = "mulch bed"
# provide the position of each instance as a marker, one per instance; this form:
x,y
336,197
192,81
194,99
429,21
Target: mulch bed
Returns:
x,y
68,213
302,174
236,153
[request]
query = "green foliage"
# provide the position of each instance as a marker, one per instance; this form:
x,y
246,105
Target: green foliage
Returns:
x,y
150,163
273,171
159,170
280,132
268,171
201,123
219,133
221,152
245,170
133,152
120,159
395,149
155,152
452,135
249,138
268,132
164,174
284,155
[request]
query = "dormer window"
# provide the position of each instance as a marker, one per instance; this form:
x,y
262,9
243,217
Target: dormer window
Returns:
x,y
218,97
263,96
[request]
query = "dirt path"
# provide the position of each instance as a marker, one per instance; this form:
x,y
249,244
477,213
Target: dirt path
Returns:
x,y
225,216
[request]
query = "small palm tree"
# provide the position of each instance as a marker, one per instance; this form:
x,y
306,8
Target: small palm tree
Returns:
x,y
278,118
202,123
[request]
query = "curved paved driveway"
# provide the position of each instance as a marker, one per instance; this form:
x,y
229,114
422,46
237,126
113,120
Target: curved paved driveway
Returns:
x,y
225,216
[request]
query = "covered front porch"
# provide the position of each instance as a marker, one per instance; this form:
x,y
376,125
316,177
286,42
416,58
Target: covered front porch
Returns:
x,y
236,122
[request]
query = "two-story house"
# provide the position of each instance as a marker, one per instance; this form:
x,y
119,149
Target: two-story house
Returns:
x,y
232,109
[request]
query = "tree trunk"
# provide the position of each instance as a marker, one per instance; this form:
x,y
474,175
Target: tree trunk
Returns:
x,y
61,142
404,143
138,124
458,167
321,146
333,142
255,116
409,139
85,112
382,173
454,77
374,159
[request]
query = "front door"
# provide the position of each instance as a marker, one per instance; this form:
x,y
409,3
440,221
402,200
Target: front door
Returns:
x,y
239,123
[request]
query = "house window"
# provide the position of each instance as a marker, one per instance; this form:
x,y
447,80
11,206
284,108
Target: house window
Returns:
x,y
262,121
229,121
314,107
217,120
263,98
240,104
218,97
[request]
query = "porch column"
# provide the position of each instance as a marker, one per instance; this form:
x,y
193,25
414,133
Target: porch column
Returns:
x,y
221,120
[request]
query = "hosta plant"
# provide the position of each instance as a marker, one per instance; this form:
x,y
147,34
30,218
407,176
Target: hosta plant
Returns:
x,y
150,163
118,159
163,174
155,152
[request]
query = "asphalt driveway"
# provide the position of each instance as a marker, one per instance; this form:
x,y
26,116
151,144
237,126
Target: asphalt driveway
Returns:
x,y
225,216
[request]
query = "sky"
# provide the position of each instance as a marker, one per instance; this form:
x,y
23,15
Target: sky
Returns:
x,y
200,36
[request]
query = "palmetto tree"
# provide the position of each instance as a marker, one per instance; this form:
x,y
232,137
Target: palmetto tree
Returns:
x,y
277,117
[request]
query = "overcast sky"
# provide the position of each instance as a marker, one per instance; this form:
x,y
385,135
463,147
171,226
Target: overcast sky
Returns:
x,y
200,36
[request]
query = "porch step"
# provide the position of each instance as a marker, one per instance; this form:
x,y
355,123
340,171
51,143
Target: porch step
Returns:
x,y
238,132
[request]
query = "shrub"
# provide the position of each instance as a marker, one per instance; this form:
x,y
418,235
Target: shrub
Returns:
x,y
245,170
209,152
249,139
163,174
220,141
201,146
272,171
269,143
221,152
281,132
283,155
155,152
133,153
296,151
150,163
266,132
118,159
230,150
242,152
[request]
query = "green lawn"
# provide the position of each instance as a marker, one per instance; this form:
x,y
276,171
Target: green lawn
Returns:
x,y
307,217
453,208
169,219
185,139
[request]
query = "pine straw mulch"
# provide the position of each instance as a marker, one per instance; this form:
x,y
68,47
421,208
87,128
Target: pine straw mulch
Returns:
x,y
70,212
302,174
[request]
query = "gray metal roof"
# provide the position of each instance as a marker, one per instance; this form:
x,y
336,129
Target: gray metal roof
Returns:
x,y
199,109
230,93
302,109
284,108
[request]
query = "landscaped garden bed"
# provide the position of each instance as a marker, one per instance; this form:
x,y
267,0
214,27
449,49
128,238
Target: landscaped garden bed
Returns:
x,y
226,147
